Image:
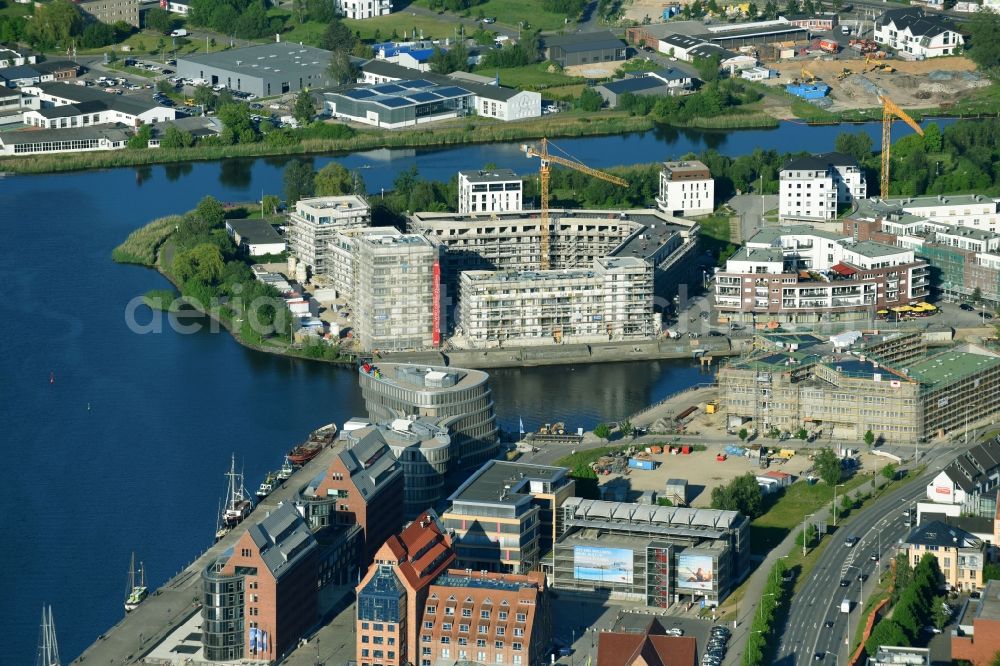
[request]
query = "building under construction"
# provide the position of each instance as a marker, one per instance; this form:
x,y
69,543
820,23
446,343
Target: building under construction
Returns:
x,y
851,384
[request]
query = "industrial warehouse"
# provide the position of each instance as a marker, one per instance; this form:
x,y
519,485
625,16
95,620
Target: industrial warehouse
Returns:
x,y
852,384
656,555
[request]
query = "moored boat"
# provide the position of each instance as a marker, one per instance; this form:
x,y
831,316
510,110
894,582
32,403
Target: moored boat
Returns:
x,y
136,593
238,504
286,471
317,441
267,486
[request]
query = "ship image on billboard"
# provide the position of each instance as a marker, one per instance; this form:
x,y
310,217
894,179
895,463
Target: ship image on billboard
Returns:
x,y
606,565
694,572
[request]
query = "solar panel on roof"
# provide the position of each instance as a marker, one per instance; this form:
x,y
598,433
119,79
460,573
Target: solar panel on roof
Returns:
x,y
417,83
393,102
451,91
389,88
359,93
424,96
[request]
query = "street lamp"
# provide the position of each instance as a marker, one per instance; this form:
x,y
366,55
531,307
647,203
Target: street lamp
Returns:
x,y
805,533
835,502
759,605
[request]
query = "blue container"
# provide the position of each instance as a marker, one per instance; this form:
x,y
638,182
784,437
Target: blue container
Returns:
x,y
635,463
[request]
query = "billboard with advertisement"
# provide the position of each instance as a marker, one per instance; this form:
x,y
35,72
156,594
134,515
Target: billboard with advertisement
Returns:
x,y
694,572
606,565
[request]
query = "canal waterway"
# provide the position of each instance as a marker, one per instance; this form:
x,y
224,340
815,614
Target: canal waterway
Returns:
x,y
117,441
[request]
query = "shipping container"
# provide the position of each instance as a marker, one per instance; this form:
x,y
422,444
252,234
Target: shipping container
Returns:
x,y
635,463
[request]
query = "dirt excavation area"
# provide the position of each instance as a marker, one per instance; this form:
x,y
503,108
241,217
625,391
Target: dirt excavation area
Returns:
x,y
932,82
638,10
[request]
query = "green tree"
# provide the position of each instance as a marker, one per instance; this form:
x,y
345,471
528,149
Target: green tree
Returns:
x,y
602,431
869,438
304,109
983,29
202,262
856,144
160,20
743,434
886,632
977,295
300,181
270,203
210,212
770,10
846,504
141,137
804,538
932,138
333,179
626,428
176,138
590,100
237,121
801,433
203,96
741,494
341,69
54,24
663,501
708,68
165,87
828,466
752,10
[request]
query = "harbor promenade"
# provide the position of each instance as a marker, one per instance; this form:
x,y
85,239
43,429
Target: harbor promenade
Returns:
x,y
170,606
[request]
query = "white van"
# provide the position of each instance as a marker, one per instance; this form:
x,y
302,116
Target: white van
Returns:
x,y
845,29
845,606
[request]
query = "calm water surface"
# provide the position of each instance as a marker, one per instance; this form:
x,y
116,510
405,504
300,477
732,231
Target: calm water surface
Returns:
x,y
126,447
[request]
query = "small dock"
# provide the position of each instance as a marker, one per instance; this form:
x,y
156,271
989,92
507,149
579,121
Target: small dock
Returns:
x,y
170,606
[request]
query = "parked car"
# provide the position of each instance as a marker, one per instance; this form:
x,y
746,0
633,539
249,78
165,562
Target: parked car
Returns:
x,y
967,307
489,19
844,582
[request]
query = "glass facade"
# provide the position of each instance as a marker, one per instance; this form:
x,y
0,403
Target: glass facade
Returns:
x,y
383,599
223,624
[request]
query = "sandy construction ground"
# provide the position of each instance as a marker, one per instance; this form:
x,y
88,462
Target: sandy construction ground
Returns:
x,y
914,84
637,10
598,70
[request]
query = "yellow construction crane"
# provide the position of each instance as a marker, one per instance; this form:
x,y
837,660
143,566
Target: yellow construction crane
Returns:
x,y
808,77
547,159
889,111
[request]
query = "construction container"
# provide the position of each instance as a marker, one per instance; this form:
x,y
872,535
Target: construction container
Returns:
x,y
656,449
721,457
685,449
636,463
808,90
829,45
710,408
786,453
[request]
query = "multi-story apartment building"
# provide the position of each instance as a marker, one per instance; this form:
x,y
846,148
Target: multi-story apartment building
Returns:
x,y
964,210
362,485
801,274
655,555
110,11
504,517
611,301
686,188
462,398
846,390
423,448
498,190
342,259
393,594
813,187
396,292
486,618
260,596
362,9
911,31
960,555
316,221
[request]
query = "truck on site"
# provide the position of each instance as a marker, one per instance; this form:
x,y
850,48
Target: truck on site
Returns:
x,y
180,32
845,606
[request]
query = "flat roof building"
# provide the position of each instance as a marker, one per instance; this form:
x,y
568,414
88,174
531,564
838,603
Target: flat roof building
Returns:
x,y
275,68
489,191
399,104
255,237
583,48
686,188
111,11
813,187
894,655
611,301
80,139
316,221
397,292
503,518
977,636
462,398
651,554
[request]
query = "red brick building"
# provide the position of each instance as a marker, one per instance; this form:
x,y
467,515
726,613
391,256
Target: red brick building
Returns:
x,y
363,485
260,596
487,618
391,597
651,647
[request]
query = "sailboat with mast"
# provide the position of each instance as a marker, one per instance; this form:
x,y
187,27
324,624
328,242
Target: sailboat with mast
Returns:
x,y
136,593
238,502
48,646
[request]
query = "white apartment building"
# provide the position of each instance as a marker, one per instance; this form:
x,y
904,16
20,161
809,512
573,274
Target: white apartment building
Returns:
x,y
965,210
911,32
812,187
341,264
63,105
362,9
495,191
799,274
396,292
12,58
613,300
686,188
316,221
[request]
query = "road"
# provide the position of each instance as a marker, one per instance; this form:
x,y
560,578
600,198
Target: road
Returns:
x,y
879,527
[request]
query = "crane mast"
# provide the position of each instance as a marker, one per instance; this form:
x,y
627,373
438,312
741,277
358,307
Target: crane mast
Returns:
x,y
545,170
891,110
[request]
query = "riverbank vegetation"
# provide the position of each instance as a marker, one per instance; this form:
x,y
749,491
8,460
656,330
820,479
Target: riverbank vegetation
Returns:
x,y
141,246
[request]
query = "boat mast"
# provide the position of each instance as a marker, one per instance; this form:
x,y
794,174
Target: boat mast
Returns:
x,y
48,646
231,490
131,576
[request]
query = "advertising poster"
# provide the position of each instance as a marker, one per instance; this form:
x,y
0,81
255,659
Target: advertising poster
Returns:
x,y
694,572
607,565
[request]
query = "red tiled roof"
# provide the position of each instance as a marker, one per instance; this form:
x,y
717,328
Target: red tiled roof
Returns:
x,y
651,648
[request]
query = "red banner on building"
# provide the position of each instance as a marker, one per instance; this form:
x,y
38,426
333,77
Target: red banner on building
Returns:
x,y
436,332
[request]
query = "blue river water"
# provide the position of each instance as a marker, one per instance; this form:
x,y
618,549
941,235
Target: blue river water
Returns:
x,y
117,441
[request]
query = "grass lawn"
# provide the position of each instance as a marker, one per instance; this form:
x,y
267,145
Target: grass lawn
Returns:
x,y
567,93
145,42
810,112
510,12
715,233
574,460
531,77
135,71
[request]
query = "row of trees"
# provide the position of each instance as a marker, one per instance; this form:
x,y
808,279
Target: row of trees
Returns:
x,y
741,494
247,19
918,603
774,598
61,25
716,97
